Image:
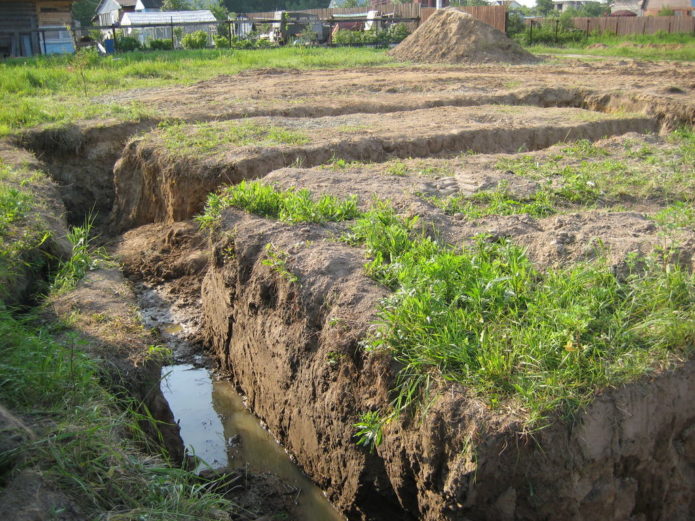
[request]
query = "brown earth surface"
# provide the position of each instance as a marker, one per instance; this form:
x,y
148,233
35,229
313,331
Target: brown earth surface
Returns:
x,y
452,36
161,179
294,348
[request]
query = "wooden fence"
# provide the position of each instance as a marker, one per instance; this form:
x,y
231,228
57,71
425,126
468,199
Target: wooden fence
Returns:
x,y
636,24
495,16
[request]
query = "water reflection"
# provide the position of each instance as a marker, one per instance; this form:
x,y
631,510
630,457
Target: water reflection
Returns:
x,y
218,429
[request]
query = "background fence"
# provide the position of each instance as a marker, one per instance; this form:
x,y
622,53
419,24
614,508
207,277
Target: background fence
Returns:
x,y
495,16
636,24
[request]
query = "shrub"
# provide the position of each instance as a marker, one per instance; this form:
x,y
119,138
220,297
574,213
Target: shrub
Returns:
x,y
195,40
127,44
220,41
161,45
397,33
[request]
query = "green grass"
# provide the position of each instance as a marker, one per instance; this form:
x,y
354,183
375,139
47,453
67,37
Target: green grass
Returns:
x,y
52,89
22,230
589,174
678,215
498,202
92,446
291,205
484,317
85,257
642,47
205,138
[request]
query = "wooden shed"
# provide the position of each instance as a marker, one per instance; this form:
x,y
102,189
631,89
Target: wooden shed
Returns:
x,y
31,27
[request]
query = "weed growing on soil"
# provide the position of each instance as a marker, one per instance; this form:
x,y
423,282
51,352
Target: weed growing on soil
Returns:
x,y
588,174
277,260
678,215
85,257
205,138
484,317
289,205
84,452
497,202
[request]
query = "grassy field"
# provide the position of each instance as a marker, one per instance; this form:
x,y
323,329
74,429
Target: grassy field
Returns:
x,y
678,47
63,88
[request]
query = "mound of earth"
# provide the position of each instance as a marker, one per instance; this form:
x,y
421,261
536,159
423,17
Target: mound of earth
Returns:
x,y
452,36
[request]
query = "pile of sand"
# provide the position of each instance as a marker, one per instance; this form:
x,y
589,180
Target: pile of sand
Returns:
x,y
452,36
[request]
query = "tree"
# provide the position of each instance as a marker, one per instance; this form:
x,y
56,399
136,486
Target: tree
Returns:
x,y
84,10
544,7
175,5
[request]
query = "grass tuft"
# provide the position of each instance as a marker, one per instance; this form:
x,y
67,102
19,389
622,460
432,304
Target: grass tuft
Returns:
x,y
291,205
484,317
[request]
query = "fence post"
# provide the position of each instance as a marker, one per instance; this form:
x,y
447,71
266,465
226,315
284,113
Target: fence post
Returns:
x,y
530,33
113,31
557,26
171,27
229,32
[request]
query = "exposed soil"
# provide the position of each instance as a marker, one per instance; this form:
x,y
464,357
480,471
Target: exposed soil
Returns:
x,y
157,180
293,348
452,36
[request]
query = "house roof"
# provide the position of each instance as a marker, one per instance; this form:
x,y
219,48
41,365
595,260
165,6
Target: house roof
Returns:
x,y
151,4
165,17
127,3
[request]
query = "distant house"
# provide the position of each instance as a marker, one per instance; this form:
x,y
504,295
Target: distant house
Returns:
x,y
202,20
679,7
625,6
31,27
111,12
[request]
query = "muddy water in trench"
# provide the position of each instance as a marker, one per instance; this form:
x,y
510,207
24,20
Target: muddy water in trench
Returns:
x,y
217,428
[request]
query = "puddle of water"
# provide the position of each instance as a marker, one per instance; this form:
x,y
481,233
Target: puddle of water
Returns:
x,y
188,390
218,428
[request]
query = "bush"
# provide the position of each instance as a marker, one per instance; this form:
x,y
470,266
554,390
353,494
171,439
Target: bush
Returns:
x,y
397,33
195,40
394,34
221,41
161,45
550,32
127,44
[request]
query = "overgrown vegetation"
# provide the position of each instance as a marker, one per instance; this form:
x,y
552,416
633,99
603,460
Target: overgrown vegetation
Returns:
x,y
393,34
93,449
657,47
288,205
22,230
44,90
482,316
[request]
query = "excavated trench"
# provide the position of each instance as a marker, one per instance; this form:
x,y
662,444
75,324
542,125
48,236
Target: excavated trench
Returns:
x,y
294,352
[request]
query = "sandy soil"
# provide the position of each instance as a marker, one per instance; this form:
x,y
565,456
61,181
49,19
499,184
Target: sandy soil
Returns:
x,y
366,90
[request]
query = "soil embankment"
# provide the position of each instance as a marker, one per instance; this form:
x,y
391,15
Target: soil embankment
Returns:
x,y
287,309
165,176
